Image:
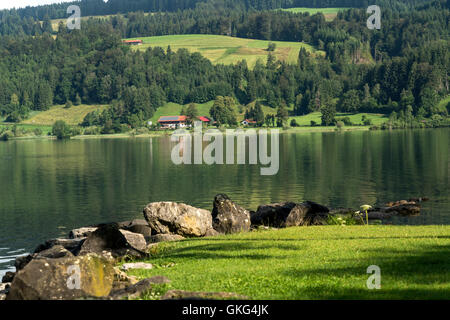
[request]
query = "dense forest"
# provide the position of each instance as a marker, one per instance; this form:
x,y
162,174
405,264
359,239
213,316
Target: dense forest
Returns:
x,y
402,69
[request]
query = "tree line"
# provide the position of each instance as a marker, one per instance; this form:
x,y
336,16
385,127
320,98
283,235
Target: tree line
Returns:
x,y
402,67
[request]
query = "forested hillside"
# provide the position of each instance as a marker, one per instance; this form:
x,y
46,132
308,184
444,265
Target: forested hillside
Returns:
x,y
402,69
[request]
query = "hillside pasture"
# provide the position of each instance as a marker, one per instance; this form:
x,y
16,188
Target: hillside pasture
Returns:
x,y
227,50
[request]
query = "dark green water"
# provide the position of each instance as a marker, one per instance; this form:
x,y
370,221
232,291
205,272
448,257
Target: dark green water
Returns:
x,y
49,187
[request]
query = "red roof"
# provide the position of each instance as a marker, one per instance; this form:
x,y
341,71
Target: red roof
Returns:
x,y
249,121
132,41
204,119
172,119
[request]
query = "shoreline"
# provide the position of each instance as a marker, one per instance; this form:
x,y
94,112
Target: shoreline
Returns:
x,y
161,133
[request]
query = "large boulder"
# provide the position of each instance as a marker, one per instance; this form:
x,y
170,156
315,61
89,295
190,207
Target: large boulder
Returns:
x,y
55,252
63,279
119,243
81,233
178,218
229,217
72,245
137,226
289,214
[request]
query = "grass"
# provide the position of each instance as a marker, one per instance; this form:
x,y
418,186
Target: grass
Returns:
x,y
72,116
29,127
173,109
324,262
329,13
355,118
227,50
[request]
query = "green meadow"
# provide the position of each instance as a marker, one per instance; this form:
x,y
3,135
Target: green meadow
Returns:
x,y
227,50
72,116
329,13
322,262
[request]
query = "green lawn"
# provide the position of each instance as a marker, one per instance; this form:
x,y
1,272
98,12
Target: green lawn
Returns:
x,y
227,50
305,120
72,116
29,127
329,13
325,262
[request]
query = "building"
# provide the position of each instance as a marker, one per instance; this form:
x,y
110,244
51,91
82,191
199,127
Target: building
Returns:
x,y
204,120
248,122
133,42
173,122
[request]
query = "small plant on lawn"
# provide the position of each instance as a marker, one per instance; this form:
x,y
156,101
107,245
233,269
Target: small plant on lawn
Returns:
x,y
365,208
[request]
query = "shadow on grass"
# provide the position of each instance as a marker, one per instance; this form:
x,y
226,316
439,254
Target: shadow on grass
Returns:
x,y
410,269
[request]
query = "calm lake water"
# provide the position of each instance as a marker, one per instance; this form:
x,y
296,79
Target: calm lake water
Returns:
x,y
50,187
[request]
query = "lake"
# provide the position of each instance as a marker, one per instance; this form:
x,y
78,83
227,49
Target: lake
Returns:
x,y
49,187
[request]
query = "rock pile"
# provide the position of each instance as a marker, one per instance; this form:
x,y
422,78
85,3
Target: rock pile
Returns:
x,y
83,265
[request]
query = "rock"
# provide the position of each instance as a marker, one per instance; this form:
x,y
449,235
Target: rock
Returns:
x,y
178,218
229,217
136,265
81,232
211,233
4,289
137,226
133,291
122,280
63,279
405,210
288,214
22,261
188,295
8,277
136,240
73,245
165,237
110,238
274,214
55,252
306,214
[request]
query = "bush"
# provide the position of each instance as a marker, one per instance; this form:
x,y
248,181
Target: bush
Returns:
x,y
142,130
38,132
61,130
294,123
68,105
368,122
340,124
76,131
271,47
347,121
6,135
313,123
91,131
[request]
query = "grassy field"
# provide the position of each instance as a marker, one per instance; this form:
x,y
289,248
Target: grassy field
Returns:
x,y
28,127
227,50
329,13
305,120
324,262
72,116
